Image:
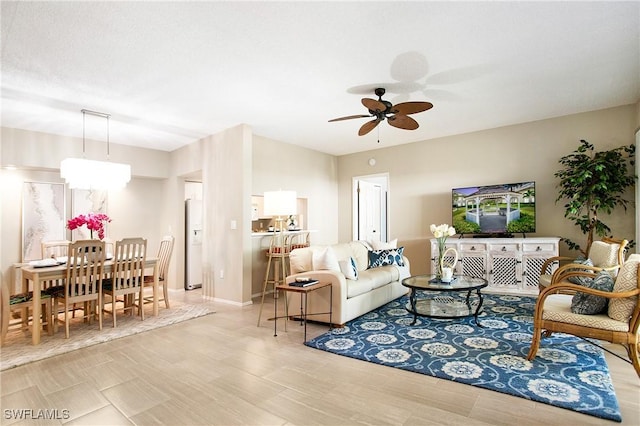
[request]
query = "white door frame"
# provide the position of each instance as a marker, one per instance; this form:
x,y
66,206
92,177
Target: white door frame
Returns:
x,y
381,179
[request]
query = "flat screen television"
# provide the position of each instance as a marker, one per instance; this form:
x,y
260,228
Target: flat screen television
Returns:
x,y
494,210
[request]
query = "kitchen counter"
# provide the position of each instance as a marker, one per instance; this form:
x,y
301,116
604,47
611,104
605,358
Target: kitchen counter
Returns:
x,y
286,232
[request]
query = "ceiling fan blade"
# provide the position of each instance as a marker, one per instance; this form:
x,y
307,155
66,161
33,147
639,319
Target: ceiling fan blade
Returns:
x,y
373,105
368,126
403,122
405,108
349,117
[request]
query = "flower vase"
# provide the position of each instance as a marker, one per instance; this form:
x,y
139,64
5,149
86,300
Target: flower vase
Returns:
x,y
450,253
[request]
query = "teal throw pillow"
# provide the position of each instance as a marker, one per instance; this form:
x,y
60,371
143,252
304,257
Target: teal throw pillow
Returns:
x,y
349,269
590,304
387,257
581,280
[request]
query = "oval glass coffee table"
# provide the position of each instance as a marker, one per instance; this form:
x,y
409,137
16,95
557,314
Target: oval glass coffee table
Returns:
x,y
441,305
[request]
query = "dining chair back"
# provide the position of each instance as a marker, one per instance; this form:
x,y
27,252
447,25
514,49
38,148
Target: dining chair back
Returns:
x,y
164,258
55,249
127,276
83,283
109,247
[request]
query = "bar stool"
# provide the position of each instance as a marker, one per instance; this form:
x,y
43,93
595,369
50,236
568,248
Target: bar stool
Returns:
x,y
277,255
298,240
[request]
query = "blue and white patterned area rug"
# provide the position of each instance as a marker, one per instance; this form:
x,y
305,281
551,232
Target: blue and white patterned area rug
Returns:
x,y
567,371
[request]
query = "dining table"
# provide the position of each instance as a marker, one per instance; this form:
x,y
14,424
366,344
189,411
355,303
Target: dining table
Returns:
x,y
38,276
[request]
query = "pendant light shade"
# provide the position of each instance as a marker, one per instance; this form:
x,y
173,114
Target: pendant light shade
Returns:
x,y
88,174
80,173
280,203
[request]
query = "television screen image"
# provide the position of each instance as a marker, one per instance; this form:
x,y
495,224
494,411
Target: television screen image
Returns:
x,y
495,209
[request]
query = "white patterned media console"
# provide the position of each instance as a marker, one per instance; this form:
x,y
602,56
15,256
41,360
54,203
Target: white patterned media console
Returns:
x,y
510,265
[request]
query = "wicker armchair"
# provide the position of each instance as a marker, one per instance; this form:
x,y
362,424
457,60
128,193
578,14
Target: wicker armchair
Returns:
x,y
619,322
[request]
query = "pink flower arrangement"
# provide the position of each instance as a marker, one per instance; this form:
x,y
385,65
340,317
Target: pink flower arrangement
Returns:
x,y
93,221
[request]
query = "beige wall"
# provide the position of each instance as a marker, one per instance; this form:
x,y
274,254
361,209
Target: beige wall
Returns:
x,y
312,174
422,174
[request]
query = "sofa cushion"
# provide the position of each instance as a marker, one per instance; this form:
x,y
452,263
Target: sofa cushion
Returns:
x,y
380,276
300,260
590,304
621,309
382,245
386,257
324,258
349,269
355,249
356,288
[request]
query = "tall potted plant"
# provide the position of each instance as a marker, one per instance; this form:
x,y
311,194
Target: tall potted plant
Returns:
x,y
593,183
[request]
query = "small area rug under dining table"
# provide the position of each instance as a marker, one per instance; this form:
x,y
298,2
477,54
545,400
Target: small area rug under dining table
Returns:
x,y
567,372
18,349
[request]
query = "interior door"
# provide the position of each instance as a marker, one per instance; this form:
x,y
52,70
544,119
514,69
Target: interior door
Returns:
x,y
370,208
369,211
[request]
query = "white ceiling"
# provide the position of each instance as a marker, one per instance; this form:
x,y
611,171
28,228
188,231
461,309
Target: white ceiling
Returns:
x,y
171,73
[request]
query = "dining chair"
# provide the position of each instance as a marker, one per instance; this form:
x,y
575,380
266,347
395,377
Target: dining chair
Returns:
x,y
164,257
55,249
127,276
83,283
21,302
606,254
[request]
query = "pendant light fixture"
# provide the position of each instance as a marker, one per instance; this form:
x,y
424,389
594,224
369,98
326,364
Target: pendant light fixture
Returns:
x,y
81,173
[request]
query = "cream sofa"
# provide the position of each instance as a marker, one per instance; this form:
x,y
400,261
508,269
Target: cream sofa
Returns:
x,y
351,297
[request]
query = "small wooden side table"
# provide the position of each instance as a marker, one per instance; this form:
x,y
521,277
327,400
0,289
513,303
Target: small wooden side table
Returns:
x,y
304,292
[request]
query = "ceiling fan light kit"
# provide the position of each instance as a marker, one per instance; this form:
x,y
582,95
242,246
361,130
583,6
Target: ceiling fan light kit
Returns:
x,y
396,115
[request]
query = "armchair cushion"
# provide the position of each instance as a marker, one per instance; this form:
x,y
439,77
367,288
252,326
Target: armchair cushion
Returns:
x,y
557,307
590,304
578,279
604,254
621,309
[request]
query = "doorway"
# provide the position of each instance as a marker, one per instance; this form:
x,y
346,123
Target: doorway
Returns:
x,y
371,207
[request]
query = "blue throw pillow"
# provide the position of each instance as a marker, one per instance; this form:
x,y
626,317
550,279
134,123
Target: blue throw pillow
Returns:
x,y
581,280
379,258
590,304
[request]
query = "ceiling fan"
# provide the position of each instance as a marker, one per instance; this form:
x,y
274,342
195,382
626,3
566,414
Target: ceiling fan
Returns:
x,y
396,115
